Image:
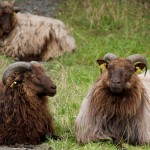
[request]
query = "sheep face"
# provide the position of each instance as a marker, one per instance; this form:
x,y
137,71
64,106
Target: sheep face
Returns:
x,y
40,83
34,82
119,74
7,17
37,83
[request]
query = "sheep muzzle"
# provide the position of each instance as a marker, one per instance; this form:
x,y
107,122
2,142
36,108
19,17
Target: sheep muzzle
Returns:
x,y
49,90
52,90
115,87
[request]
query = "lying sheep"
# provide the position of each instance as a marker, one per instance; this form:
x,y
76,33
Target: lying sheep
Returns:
x,y
24,112
118,105
27,37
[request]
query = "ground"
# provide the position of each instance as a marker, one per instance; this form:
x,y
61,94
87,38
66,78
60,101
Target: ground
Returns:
x,y
39,7
40,147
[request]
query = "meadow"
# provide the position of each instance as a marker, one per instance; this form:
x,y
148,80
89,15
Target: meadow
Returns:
x,y
98,26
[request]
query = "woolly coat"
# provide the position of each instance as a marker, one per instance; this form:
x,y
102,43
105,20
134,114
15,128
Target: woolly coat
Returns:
x,y
104,117
24,111
37,37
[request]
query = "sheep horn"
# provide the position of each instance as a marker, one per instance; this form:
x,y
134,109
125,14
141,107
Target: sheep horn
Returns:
x,y
15,67
137,58
109,56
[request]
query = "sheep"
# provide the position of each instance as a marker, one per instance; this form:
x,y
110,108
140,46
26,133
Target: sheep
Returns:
x,y
117,107
24,113
27,37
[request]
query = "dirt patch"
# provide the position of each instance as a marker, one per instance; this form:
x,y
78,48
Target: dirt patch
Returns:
x,y
39,7
30,147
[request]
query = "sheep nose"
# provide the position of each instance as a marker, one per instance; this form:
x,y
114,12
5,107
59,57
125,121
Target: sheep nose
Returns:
x,y
116,82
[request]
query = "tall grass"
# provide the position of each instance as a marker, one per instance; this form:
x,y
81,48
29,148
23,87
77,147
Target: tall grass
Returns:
x,y
121,26
115,15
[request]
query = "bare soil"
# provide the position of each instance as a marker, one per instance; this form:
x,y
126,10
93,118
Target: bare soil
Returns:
x,y
39,7
29,147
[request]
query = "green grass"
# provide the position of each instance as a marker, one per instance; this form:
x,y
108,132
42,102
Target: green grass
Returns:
x,y
99,26
123,29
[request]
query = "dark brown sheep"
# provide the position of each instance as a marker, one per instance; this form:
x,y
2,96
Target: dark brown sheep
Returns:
x,y
117,107
26,37
24,112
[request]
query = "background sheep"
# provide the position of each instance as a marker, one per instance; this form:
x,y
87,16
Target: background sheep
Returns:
x,y
117,106
31,37
24,113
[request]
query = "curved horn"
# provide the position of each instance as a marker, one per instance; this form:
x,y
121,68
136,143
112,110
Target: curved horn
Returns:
x,y
109,56
137,58
15,67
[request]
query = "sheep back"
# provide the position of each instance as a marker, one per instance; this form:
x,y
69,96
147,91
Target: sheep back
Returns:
x,y
37,36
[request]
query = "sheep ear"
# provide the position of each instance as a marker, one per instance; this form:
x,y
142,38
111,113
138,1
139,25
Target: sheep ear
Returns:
x,y
17,80
16,9
102,64
139,67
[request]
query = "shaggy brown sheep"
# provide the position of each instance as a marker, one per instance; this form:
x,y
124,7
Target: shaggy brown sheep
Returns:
x,y
24,112
27,37
118,105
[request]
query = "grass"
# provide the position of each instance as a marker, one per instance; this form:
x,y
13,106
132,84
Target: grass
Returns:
x,y
99,26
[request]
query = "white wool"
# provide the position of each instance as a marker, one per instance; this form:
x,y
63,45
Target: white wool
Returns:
x,y
38,35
